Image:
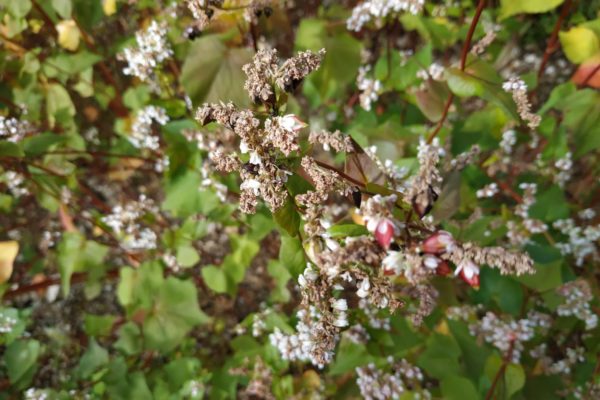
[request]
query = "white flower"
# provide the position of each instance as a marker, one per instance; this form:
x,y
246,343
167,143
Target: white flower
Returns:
x,y
251,184
291,123
302,280
340,305
468,268
431,262
392,263
341,321
255,158
363,288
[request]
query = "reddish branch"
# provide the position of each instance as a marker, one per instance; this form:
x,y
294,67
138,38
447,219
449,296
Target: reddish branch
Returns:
x,y
463,63
500,372
551,46
590,76
77,277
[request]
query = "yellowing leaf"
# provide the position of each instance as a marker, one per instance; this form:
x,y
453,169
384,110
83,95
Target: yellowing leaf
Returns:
x,y
512,7
579,44
68,34
109,7
8,253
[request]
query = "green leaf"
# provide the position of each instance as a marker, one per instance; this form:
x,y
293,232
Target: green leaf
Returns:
x,y
282,276
291,255
462,84
94,357
579,44
63,8
130,339
38,144
345,230
75,254
10,149
58,101
215,278
288,218
512,7
187,256
456,387
184,198
512,379
98,325
212,72
174,313
349,356
20,359
17,9
550,205
546,277
339,66
440,358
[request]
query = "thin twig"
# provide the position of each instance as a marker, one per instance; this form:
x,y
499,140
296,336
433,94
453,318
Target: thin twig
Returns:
x,y
590,76
463,63
551,46
501,371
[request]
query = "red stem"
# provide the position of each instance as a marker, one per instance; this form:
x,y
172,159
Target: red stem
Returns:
x,y
551,47
463,63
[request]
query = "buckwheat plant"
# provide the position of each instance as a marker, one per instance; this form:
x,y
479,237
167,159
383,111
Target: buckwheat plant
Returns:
x,y
268,199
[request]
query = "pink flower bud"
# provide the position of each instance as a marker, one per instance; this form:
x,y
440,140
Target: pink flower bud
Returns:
x,y
443,269
468,272
438,243
384,232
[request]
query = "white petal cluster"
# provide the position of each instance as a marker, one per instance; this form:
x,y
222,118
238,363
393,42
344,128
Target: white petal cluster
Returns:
x,y
582,242
378,10
509,335
577,304
299,346
514,85
13,130
369,88
15,182
488,191
123,220
151,50
141,129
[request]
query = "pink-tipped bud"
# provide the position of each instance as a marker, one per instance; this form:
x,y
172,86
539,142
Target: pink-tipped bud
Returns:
x,y
468,272
438,243
384,232
443,269
472,281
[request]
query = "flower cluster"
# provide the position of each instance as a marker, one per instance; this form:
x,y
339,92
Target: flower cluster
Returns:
x,y
14,130
509,335
582,242
425,186
313,341
369,88
378,10
518,89
376,384
264,73
142,136
151,50
124,221
578,296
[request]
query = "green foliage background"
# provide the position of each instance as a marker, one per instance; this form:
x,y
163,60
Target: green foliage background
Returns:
x,y
124,326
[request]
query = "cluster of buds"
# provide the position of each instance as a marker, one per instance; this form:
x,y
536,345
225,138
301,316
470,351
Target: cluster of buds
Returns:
x,y
434,249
